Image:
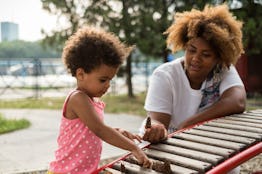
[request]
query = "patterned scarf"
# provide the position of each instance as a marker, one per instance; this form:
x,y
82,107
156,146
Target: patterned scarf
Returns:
x,y
211,90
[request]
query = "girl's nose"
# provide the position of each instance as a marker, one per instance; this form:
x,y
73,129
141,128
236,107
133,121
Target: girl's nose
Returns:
x,y
107,84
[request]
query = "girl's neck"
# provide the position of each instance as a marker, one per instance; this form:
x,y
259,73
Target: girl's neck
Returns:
x,y
84,91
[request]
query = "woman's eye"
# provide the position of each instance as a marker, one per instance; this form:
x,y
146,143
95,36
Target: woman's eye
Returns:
x,y
206,55
191,50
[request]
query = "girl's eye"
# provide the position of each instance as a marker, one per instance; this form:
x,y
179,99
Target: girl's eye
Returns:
x,y
102,80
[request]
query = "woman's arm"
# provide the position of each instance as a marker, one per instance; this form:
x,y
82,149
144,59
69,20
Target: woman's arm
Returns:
x,y
232,101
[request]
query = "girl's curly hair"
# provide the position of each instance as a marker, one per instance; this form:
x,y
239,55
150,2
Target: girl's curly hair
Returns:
x,y
90,47
215,24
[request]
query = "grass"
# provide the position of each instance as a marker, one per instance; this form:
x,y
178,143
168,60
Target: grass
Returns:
x,y
114,104
254,103
124,104
9,125
32,103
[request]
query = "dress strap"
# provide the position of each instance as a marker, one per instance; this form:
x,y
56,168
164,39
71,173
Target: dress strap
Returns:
x,y
66,101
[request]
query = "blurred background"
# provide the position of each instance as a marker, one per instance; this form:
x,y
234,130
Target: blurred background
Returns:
x,y
33,33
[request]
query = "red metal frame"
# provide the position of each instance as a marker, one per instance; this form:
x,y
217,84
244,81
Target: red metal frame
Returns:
x,y
110,164
118,159
223,167
123,157
237,159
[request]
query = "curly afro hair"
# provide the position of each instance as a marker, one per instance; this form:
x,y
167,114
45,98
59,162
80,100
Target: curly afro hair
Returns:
x,y
91,47
215,24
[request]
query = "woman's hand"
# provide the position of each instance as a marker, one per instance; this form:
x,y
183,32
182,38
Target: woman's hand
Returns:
x,y
156,133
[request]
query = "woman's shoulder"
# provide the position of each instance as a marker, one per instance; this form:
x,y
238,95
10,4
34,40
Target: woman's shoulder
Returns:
x,y
170,67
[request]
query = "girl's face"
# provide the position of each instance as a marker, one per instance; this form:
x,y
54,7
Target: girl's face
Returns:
x,y
96,82
200,60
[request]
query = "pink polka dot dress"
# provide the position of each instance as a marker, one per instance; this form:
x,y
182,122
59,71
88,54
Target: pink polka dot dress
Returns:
x,y
79,149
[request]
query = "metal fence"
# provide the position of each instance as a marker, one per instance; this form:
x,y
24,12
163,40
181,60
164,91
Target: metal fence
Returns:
x,y
47,77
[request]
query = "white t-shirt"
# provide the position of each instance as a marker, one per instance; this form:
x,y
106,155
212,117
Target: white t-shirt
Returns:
x,y
170,92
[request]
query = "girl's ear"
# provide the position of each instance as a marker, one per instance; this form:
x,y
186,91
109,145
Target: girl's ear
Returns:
x,y
80,73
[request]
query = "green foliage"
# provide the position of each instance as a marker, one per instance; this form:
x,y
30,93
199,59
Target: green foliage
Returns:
x,y
23,49
76,14
143,22
8,125
136,22
251,15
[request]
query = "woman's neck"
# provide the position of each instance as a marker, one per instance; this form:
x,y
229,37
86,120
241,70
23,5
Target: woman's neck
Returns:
x,y
194,83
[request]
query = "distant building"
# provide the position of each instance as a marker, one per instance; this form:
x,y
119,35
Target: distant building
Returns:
x,y
9,31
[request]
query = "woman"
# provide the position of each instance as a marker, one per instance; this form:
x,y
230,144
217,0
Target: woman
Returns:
x,y
203,84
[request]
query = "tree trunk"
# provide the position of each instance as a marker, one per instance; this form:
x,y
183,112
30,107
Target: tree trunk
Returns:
x,y
127,31
129,76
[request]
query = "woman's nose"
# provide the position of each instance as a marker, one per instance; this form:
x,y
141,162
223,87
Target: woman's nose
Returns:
x,y
196,57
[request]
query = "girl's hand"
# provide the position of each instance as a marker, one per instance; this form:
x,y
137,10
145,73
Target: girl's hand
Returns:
x,y
142,158
129,135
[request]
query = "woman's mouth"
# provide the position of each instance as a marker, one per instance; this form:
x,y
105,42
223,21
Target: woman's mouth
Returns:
x,y
194,67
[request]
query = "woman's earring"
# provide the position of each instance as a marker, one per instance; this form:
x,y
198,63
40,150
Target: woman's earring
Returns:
x,y
185,66
216,73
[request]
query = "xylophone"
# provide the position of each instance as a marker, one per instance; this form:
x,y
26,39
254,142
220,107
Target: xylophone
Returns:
x,y
213,147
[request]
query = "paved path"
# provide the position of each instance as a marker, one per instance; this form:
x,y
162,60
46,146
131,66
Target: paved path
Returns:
x,y
33,148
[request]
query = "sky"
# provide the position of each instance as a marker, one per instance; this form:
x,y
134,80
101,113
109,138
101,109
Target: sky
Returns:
x,y
30,17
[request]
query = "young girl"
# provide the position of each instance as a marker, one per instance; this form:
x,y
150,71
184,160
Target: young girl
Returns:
x,y
93,57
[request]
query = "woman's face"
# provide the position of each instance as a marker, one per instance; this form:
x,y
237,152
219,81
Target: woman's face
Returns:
x,y
200,60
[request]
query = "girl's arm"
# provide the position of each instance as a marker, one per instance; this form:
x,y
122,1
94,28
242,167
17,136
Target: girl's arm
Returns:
x,y
129,135
80,106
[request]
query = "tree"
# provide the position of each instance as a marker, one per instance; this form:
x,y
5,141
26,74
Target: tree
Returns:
x,y
142,23
139,23
23,49
136,22
73,13
251,14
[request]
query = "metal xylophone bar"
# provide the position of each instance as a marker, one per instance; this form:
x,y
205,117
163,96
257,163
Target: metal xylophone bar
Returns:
x,y
213,147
